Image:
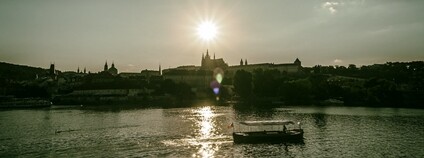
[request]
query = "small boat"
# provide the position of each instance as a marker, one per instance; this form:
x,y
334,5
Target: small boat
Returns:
x,y
271,131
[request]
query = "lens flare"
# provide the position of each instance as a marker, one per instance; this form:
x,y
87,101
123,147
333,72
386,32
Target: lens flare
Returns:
x,y
219,78
216,91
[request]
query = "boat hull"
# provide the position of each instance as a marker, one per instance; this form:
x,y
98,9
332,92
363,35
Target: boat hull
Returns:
x,y
292,136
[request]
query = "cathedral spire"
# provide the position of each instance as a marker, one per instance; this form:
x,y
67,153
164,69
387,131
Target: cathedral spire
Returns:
x,y
106,67
207,54
160,70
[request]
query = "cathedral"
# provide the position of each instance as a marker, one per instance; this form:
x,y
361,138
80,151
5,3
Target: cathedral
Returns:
x,y
210,64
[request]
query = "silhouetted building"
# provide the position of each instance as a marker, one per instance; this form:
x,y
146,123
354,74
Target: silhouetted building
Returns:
x,y
105,67
210,64
51,70
202,76
294,67
112,70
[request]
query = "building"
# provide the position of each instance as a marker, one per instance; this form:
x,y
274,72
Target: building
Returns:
x,y
294,67
201,76
210,64
112,70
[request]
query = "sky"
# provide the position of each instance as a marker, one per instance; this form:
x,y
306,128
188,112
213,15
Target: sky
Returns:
x,y
143,34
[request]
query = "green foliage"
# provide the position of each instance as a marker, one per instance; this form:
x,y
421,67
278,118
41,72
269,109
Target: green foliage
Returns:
x,y
243,83
265,83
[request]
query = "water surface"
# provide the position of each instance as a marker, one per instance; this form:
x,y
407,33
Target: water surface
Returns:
x,y
204,132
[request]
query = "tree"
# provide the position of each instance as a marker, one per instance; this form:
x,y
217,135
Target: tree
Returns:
x,y
243,83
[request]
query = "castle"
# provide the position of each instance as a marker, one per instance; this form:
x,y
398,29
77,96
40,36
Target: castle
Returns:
x,y
202,76
209,64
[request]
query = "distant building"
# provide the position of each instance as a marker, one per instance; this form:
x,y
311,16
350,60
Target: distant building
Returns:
x,y
144,74
148,73
294,67
210,64
112,70
201,76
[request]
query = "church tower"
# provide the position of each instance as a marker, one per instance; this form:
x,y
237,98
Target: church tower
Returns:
x,y
241,62
160,70
52,70
106,67
297,62
207,55
203,60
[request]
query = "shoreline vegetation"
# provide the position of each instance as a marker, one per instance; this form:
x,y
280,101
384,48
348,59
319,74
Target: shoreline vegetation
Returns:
x,y
393,84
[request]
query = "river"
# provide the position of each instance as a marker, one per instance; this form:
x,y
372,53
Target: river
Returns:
x,y
204,131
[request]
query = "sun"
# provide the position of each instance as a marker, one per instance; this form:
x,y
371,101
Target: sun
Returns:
x,y
207,30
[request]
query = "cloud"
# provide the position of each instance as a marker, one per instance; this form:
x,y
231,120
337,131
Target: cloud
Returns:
x,y
331,6
338,61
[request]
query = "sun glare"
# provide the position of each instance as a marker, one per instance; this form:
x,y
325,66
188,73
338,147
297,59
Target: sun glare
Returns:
x,y
207,30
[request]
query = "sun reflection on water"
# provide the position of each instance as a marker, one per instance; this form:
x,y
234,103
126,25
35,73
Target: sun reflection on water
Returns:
x,y
206,132
206,125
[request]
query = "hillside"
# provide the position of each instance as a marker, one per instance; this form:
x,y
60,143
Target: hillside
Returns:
x,y
20,72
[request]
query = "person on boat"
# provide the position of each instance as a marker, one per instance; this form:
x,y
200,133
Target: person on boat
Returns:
x,y
284,128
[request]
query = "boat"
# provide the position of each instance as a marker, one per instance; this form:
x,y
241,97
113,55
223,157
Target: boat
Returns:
x,y
269,131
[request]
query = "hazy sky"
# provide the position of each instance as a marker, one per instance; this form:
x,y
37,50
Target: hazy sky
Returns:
x,y
141,34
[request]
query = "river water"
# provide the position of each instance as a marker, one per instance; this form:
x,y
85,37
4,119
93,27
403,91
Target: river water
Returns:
x,y
204,131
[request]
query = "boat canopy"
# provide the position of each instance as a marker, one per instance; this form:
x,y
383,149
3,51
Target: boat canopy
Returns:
x,y
268,122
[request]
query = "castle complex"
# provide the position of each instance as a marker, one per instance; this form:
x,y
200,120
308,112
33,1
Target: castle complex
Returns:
x,y
201,76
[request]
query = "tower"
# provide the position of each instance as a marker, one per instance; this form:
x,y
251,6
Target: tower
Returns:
x,y
241,62
84,70
78,70
160,70
207,55
51,70
106,67
203,59
245,62
297,62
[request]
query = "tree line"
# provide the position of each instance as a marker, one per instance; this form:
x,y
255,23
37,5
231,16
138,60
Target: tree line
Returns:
x,y
394,84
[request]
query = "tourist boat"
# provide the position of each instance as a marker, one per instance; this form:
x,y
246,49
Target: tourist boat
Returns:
x,y
271,131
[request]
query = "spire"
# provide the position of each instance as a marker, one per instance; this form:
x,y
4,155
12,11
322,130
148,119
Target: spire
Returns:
x,y
245,62
213,56
241,62
207,54
160,70
113,65
106,67
85,70
78,70
297,62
